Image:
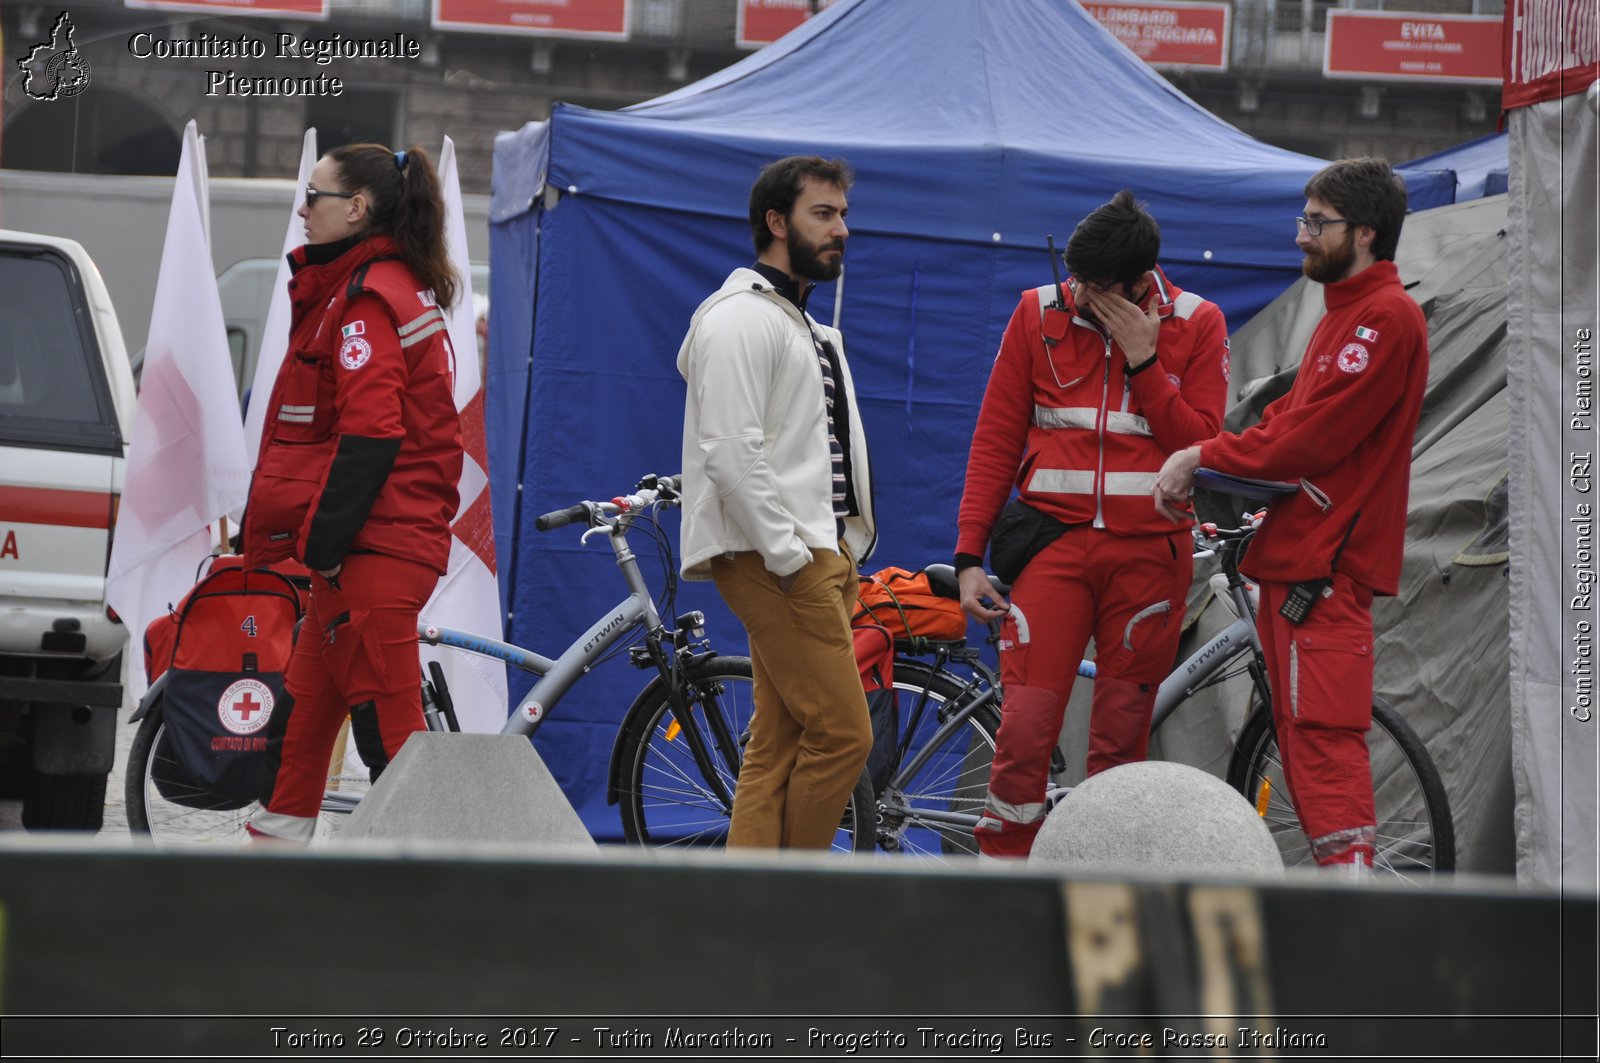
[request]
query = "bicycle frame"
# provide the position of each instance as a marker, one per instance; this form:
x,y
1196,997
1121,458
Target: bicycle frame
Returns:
x,y
1196,672
557,677
1201,668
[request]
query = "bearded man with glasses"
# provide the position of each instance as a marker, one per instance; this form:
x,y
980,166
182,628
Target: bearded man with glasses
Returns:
x,y
1345,428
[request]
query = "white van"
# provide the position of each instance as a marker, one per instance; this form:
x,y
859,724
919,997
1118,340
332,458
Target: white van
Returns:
x,y
66,411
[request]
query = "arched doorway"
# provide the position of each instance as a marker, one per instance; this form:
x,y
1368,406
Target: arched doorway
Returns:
x,y
106,131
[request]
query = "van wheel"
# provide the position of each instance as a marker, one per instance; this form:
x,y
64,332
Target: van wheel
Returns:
x,y
63,802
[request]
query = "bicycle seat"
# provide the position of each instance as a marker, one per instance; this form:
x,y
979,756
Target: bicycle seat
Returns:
x,y
943,582
1243,486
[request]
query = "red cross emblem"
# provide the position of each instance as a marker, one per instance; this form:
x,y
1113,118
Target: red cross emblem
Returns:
x,y
245,706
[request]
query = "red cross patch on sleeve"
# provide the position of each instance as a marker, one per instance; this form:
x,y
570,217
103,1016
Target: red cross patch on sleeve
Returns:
x,y
1353,358
355,351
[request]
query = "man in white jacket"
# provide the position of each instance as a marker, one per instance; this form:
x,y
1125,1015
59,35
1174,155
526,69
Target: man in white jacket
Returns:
x,y
778,504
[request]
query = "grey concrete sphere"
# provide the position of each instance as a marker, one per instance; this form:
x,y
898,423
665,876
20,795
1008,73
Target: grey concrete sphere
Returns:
x,y
1156,816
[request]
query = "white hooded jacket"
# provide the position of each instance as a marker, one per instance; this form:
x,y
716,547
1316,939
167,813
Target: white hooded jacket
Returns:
x,y
757,471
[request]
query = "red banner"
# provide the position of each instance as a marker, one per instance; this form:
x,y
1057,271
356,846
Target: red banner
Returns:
x,y
1389,46
317,9
1193,36
764,21
1551,50
541,18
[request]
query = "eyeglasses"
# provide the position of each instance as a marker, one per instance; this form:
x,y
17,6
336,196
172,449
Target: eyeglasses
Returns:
x,y
1313,226
1098,289
313,194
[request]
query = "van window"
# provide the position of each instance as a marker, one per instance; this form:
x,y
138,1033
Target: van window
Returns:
x,y
53,391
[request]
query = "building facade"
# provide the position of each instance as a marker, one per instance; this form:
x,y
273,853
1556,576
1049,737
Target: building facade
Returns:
x,y
385,70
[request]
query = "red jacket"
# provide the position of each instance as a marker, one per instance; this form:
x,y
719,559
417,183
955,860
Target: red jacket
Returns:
x,y
361,449
1346,426
1079,436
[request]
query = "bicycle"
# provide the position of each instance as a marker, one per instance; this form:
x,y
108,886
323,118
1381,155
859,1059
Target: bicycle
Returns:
x,y
956,715
677,754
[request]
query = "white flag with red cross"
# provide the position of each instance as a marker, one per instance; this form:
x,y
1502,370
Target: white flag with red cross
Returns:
x,y
468,597
187,463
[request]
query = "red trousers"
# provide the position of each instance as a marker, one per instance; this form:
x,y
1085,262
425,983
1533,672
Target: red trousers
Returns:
x,y
1320,672
356,656
1127,593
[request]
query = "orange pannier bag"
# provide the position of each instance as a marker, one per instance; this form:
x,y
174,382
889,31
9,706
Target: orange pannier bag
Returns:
x,y
904,603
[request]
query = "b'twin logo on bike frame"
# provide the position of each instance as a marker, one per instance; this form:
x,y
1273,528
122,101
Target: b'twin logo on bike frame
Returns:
x,y
1220,645
599,637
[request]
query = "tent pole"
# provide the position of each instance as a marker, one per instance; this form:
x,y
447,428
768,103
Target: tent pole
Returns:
x,y
838,298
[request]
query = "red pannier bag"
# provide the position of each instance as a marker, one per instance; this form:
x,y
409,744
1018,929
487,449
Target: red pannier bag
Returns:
x,y
874,656
904,603
894,605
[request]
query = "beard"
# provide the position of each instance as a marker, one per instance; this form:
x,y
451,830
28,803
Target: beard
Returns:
x,y
805,258
1326,267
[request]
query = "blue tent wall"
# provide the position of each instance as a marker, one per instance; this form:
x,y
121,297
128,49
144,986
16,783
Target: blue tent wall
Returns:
x,y
974,129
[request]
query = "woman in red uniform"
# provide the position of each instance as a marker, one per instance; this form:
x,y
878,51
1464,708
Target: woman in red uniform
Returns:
x,y
358,466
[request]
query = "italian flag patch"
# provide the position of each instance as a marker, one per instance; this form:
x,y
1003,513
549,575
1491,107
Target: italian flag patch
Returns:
x,y
1364,333
358,328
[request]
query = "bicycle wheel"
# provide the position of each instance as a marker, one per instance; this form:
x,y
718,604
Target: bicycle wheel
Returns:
x,y
1416,837
174,812
938,777
667,801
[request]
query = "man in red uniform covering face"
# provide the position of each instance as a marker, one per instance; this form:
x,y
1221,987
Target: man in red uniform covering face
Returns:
x,y
1095,384
1346,428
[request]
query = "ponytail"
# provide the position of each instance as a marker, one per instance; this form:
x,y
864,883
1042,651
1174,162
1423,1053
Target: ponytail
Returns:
x,y
407,206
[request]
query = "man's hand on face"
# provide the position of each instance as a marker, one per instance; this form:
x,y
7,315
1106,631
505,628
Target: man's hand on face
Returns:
x,y
1175,484
1135,331
975,585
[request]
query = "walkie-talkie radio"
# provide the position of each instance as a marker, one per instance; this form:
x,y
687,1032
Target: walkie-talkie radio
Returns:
x,y
1055,270
1303,596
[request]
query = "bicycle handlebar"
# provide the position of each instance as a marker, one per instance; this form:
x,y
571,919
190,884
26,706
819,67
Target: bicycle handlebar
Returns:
x,y
561,517
650,490
1209,532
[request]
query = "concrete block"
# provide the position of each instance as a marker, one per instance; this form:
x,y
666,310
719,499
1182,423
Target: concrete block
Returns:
x,y
1157,816
465,788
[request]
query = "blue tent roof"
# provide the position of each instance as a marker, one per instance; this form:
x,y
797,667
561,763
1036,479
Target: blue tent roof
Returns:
x,y
1480,165
1009,116
975,130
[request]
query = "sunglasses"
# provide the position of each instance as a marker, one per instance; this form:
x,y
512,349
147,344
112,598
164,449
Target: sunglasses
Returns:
x,y
312,195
